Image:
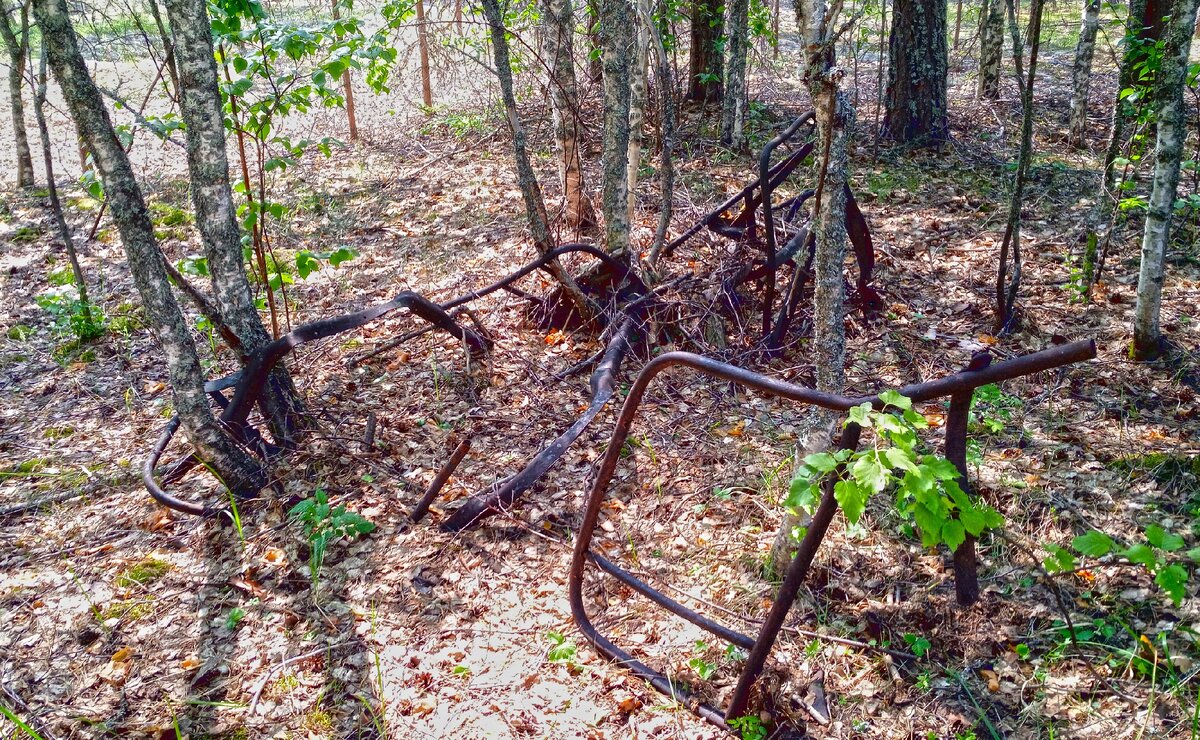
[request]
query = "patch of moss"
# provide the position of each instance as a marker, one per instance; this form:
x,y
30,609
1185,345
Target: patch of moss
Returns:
x,y
318,720
19,332
127,609
1169,470
58,432
143,572
24,234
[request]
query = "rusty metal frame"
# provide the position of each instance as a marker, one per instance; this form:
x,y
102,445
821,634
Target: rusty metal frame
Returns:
x,y
959,387
247,385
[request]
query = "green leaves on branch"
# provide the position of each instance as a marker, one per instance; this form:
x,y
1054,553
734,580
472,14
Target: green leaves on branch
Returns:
x,y
1153,555
926,486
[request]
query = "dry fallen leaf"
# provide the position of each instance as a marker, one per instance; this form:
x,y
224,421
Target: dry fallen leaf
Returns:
x,y
274,556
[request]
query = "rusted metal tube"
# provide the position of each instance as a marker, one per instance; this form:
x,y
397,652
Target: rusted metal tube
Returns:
x,y
966,576
422,507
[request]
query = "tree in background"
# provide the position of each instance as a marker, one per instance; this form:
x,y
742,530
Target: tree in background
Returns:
x,y
1168,150
531,192
232,464
733,99
14,29
1081,73
638,79
991,48
915,103
558,31
705,60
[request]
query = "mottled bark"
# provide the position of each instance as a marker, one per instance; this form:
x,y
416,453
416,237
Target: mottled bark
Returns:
x,y
423,45
733,100
637,107
1010,245
558,18
56,211
14,29
531,192
617,38
239,472
1081,74
705,62
1168,150
665,83
1122,108
216,213
991,48
915,103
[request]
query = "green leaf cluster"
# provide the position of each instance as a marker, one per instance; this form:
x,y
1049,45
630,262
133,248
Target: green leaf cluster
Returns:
x,y
926,486
323,525
1154,554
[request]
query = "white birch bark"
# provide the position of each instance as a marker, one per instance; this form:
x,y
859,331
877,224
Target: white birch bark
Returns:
x,y
617,38
1081,75
733,101
1168,149
637,107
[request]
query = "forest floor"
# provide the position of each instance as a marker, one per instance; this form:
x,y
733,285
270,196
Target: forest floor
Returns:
x,y
119,618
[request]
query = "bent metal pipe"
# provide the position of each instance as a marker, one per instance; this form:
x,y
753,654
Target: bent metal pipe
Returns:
x,y
958,386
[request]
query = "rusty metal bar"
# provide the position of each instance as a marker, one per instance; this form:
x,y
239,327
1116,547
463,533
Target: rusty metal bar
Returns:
x,y
422,508
959,385
764,166
966,576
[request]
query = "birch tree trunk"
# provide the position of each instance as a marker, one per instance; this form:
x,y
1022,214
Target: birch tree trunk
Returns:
x,y
991,48
531,192
16,40
1122,108
236,469
637,107
918,64
558,17
56,211
665,83
1081,74
216,213
617,39
1168,150
733,100
835,120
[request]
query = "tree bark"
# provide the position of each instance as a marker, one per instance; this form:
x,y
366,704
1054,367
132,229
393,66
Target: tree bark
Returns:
x,y
704,60
617,39
1081,74
348,85
1122,109
558,17
531,192
17,42
1006,290
665,83
236,469
991,48
216,213
1168,150
423,45
733,100
915,103
637,107
56,211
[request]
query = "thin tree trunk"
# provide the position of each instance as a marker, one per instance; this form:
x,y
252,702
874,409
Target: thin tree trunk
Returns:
x,y
348,85
237,470
423,45
957,22
1168,150
17,43
168,43
733,100
637,107
665,83
1006,290
1081,74
991,48
915,104
704,63
531,192
558,17
60,221
617,37
216,213
595,64
1122,108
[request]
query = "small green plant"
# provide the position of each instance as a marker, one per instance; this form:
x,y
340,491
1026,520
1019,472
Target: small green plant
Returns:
x,y
1155,554
234,618
702,667
917,643
926,486
562,650
72,316
323,525
8,714
749,727
19,332
143,572
992,409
